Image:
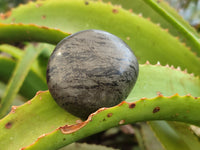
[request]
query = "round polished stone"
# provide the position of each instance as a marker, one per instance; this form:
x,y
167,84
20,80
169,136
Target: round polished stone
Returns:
x,y
89,70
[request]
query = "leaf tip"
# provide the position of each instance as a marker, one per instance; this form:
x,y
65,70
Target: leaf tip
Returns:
x,y
159,94
128,38
140,15
147,62
13,109
158,63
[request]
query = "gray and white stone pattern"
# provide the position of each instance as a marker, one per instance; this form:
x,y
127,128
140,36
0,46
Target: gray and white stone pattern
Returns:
x,y
89,70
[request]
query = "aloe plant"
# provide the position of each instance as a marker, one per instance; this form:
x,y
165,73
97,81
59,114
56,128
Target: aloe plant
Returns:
x,y
166,97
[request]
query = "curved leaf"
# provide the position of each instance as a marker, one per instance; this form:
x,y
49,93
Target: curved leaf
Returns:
x,y
13,51
175,135
32,120
156,80
11,33
139,111
146,39
161,13
40,64
33,81
18,78
146,137
124,113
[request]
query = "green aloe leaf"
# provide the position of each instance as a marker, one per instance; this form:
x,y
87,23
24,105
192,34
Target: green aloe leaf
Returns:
x,y
11,33
13,51
173,80
146,137
163,81
146,39
33,81
142,110
39,65
19,100
18,78
175,135
161,13
41,115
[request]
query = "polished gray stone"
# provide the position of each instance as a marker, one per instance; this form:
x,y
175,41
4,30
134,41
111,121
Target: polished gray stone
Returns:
x,y
89,70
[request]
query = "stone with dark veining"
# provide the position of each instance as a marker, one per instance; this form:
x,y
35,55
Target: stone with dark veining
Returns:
x,y
89,70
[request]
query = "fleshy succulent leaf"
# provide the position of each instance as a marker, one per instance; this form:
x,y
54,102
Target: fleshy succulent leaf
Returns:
x,y
156,80
175,135
135,29
37,114
148,42
146,137
161,13
33,81
142,110
17,79
13,51
105,118
11,33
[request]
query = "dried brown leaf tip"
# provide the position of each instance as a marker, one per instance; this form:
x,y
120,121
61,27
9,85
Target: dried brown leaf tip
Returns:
x,y
79,121
122,103
39,92
140,14
185,71
13,109
156,109
128,38
178,68
159,93
192,74
172,67
158,63
143,98
147,62
188,95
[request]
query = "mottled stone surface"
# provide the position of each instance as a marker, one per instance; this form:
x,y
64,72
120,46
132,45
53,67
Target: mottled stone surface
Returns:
x,y
89,70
